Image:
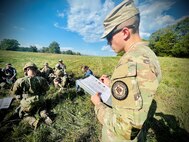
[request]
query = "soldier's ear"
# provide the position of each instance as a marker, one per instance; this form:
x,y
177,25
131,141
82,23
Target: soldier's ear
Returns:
x,y
126,33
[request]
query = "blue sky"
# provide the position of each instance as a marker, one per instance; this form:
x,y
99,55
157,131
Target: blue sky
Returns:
x,y
77,24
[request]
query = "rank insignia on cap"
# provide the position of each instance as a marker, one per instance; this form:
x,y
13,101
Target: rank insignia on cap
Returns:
x,y
119,90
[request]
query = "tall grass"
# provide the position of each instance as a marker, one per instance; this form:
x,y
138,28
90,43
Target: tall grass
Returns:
x,y
73,115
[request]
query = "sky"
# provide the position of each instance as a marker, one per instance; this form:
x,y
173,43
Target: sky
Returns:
x,y
77,25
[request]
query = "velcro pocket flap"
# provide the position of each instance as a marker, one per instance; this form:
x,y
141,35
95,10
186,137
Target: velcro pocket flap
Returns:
x,y
128,69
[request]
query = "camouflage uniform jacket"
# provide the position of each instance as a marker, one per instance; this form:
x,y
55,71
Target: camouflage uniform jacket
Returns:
x,y
133,85
10,73
60,66
46,71
30,85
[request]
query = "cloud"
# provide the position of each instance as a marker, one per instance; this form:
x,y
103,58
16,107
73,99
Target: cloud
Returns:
x,y
144,34
66,48
39,46
60,14
58,26
107,48
86,17
153,16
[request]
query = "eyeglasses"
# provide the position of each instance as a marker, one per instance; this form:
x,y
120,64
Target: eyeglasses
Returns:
x,y
111,34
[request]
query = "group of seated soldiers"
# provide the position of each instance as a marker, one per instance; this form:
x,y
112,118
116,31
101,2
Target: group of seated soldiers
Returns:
x,y
30,90
57,76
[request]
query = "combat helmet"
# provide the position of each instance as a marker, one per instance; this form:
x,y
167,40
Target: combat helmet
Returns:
x,y
29,64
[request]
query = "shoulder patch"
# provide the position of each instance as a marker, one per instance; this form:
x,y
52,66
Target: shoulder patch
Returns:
x,y
119,90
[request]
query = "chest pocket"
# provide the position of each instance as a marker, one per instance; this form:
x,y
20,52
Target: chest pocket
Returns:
x,y
126,74
35,86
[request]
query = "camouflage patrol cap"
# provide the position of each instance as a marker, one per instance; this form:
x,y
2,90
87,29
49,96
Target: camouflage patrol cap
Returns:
x,y
121,13
29,64
60,60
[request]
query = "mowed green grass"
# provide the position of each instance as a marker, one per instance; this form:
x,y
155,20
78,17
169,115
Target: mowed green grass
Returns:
x,y
74,118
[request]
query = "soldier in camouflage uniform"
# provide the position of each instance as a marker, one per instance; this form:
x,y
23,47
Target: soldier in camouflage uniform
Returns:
x,y
60,80
46,71
60,66
10,74
134,81
30,90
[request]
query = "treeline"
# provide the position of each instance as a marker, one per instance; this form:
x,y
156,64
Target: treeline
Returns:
x,y
12,44
172,40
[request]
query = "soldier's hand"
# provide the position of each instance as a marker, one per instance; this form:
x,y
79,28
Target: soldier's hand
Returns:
x,y
105,79
96,99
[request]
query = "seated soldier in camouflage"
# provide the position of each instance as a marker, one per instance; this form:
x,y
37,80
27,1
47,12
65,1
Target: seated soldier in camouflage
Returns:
x,y
60,80
9,75
46,71
30,90
60,66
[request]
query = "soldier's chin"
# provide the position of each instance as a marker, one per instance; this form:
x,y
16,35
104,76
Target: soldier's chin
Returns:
x,y
116,51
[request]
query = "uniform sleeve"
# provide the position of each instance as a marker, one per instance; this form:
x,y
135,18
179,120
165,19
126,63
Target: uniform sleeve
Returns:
x,y
14,72
17,87
44,84
100,111
42,70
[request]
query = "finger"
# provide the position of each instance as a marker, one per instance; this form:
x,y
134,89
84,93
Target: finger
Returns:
x,y
99,94
102,80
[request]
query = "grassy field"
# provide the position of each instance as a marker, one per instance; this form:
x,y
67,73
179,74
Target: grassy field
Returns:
x,y
73,114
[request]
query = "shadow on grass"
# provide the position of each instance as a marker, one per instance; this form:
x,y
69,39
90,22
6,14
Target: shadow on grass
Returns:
x,y
164,127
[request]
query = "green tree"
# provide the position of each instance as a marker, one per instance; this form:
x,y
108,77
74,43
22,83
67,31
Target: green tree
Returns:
x,y
33,48
70,52
172,40
54,47
78,53
45,49
165,44
9,44
181,49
